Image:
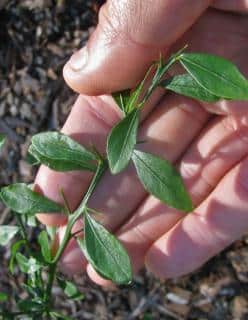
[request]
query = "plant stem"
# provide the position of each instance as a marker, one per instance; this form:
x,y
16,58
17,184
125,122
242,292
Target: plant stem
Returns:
x,y
22,227
161,70
51,276
23,232
102,167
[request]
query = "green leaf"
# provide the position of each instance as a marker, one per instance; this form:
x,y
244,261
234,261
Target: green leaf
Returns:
x,y
70,289
105,253
31,221
51,231
33,291
217,75
30,305
128,100
3,297
20,198
56,315
2,140
45,246
7,233
14,248
30,158
121,142
26,265
121,98
186,85
162,180
60,152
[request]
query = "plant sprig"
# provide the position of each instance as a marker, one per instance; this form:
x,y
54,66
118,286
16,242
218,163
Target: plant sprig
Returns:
x,y
207,78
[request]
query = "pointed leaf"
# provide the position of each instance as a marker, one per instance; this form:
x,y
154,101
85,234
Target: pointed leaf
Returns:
x,y
7,233
3,297
162,180
59,316
2,140
186,85
31,221
20,198
14,249
26,265
70,289
30,305
135,95
121,142
133,100
30,158
105,253
219,76
60,152
121,98
45,246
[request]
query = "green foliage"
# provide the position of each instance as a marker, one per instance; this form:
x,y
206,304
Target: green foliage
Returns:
x,y
128,100
20,198
26,265
2,140
3,297
216,74
59,316
70,289
60,152
121,98
105,253
45,246
185,85
162,180
14,249
30,305
121,142
208,78
7,233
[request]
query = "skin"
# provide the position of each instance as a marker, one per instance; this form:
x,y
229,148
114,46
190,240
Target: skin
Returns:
x,y
208,143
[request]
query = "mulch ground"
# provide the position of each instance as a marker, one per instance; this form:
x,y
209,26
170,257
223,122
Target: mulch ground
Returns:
x,y
36,38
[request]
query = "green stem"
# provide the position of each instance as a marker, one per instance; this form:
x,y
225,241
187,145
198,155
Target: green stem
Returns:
x,y
23,232
22,227
161,70
158,76
51,276
102,167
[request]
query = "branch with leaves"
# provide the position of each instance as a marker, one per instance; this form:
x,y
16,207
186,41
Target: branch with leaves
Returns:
x,y
206,78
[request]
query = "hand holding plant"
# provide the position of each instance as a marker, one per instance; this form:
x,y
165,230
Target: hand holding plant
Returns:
x,y
112,184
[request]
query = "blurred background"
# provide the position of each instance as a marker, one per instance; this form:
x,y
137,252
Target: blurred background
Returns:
x,y
36,38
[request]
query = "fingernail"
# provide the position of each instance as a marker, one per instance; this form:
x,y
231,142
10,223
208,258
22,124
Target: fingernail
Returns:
x,y
79,59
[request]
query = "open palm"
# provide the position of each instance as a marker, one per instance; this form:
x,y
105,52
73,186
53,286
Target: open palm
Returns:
x,y
207,142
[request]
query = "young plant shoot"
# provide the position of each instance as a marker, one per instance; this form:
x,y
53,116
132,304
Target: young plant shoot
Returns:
x,y
206,78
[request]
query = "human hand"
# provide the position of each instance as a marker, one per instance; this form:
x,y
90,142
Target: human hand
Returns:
x,y
213,166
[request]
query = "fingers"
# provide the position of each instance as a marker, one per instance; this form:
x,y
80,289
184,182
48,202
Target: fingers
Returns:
x,y
215,152
89,123
116,197
166,135
218,221
224,35
129,36
232,5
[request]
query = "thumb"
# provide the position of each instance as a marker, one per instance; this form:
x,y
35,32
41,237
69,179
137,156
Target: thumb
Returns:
x,y
130,35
